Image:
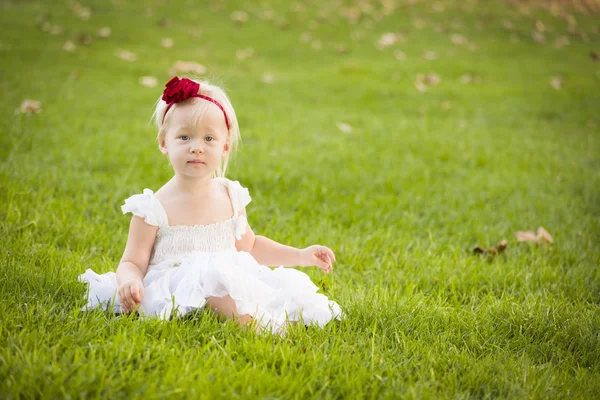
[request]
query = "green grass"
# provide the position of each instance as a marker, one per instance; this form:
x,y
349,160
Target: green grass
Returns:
x,y
401,199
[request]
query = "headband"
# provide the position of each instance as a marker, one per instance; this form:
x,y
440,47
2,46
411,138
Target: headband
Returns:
x,y
178,90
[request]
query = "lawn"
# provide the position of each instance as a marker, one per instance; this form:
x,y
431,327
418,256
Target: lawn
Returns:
x,y
400,134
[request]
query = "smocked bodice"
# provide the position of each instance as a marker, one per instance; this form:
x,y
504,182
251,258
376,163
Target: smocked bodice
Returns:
x,y
173,242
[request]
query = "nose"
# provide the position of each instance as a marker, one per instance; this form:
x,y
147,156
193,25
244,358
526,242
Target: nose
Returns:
x,y
196,147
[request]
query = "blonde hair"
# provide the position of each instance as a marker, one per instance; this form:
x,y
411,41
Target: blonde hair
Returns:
x,y
200,107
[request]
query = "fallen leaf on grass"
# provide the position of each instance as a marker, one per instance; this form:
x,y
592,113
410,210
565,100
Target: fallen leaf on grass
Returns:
x,y
126,55
539,26
508,25
594,56
84,38
104,32
82,12
466,78
491,251
561,41
387,40
148,81
556,82
188,67
430,55
306,37
239,16
400,55
422,81
69,47
243,54
531,236
344,127
538,37
268,78
29,107
457,38
341,49
167,43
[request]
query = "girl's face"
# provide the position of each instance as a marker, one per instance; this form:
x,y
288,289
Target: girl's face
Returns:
x,y
195,151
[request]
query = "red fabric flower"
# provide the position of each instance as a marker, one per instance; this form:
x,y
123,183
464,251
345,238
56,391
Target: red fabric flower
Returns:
x,y
178,90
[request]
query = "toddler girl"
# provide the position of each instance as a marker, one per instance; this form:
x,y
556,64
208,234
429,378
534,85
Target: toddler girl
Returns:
x,y
190,245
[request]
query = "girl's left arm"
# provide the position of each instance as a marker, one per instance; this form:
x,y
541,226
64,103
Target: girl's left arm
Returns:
x,y
268,252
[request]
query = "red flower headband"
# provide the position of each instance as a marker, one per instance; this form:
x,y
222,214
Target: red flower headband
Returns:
x,y
178,90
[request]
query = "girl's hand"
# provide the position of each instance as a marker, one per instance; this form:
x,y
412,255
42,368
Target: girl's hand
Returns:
x,y
320,256
131,294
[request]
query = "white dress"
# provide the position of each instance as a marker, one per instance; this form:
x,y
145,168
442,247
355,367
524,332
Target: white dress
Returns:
x,y
192,263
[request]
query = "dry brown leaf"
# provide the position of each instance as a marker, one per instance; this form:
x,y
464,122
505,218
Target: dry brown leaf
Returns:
x,y
418,23
306,37
167,43
163,22
561,41
126,55
344,127
188,67
239,16
491,251
243,54
69,47
544,234
539,26
341,49
531,236
538,37
82,12
29,107
438,6
352,14
148,81
400,55
104,32
508,25
56,30
430,55
267,15
386,40
268,78
445,105
457,38
84,39
466,78
422,81
526,236
594,56
556,82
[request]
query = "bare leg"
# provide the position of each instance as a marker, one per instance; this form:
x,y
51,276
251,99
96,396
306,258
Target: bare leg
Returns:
x,y
225,308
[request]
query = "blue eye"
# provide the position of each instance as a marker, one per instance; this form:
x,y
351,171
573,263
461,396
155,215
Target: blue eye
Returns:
x,y
184,137
209,138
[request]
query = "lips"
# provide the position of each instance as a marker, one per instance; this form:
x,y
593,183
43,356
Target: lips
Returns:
x,y
196,162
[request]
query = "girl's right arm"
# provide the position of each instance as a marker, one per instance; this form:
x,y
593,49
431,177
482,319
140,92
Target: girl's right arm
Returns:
x,y
134,263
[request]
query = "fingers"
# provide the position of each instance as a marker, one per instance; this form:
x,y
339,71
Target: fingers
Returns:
x,y
324,262
130,297
329,252
135,294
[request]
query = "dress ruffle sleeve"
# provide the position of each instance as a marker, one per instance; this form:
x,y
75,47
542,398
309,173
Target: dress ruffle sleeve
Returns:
x,y
146,206
240,197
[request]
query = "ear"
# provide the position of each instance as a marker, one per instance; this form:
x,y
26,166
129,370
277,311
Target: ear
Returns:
x,y
227,147
162,145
